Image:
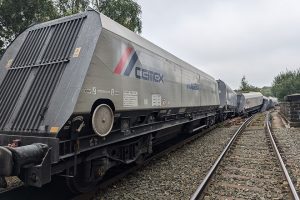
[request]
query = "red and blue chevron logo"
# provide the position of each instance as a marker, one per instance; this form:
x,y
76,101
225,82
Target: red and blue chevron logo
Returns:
x,y
127,62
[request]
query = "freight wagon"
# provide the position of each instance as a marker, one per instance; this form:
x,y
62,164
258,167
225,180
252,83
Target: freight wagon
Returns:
x,y
82,94
228,100
265,105
249,103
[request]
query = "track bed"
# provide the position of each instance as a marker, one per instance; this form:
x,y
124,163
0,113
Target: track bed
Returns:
x,y
250,169
288,141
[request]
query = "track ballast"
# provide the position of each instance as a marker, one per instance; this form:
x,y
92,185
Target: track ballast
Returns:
x,y
249,169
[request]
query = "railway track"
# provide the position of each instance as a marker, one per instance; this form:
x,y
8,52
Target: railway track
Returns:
x,y
289,147
250,167
158,154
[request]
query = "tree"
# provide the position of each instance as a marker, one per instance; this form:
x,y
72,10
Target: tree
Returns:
x,y
69,7
246,87
125,12
244,84
266,91
286,83
16,16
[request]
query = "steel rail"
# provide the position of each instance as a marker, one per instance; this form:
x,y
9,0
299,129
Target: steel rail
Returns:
x,y
208,176
283,167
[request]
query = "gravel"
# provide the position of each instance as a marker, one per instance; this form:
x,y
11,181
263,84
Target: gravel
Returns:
x,y
250,170
12,182
288,140
175,175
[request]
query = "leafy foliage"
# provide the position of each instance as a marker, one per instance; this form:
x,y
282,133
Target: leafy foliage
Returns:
x,y
125,12
286,83
246,87
16,16
266,91
69,7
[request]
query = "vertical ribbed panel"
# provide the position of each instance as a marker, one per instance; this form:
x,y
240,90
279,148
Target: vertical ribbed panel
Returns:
x,y
31,47
46,52
63,37
10,90
62,41
35,104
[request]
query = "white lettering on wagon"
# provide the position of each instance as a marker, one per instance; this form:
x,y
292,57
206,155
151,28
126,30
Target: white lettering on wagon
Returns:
x,y
130,99
103,91
156,100
95,91
77,52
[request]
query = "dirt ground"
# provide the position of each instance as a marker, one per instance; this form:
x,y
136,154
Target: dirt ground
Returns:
x,y
277,121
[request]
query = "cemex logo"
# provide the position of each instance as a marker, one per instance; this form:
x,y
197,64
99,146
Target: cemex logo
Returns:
x,y
193,86
127,62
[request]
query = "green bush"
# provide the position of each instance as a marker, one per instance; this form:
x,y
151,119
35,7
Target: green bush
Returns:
x,y
286,83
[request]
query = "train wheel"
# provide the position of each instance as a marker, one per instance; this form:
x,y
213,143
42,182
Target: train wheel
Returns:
x,y
141,159
78,184
103,120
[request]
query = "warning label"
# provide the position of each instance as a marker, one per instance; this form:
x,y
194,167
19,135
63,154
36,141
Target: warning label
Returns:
x,y
9,63
130,99
156,100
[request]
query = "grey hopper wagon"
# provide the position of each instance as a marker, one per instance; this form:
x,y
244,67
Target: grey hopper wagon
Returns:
x,y
265,106
249,103
86,93
273,101
228,100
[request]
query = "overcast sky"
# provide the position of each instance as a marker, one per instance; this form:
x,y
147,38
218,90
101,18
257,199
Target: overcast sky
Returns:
x,y
228,38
